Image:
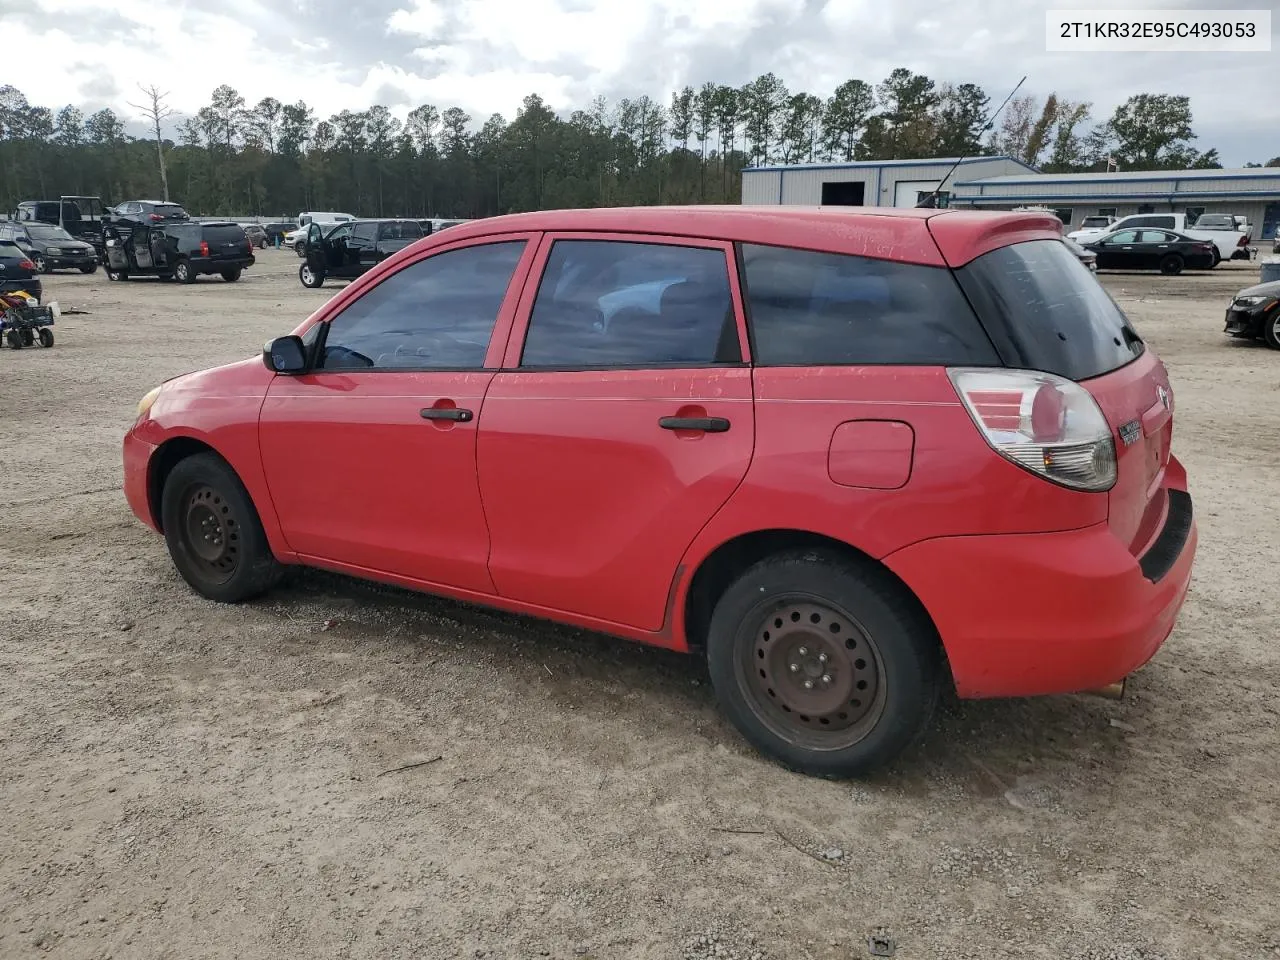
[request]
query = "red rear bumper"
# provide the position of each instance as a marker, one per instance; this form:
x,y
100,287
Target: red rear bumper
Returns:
x,y
137,462
1030,614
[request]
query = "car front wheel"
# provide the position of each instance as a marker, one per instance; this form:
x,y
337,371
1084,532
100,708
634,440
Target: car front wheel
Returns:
x,y
213,531
1271,330
310,278
829,667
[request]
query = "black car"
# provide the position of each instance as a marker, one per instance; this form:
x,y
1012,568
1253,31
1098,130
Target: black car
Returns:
x,y
145,213
277,229
17,272
353,248
51,248
1255,313
178,251
1152,249
82,217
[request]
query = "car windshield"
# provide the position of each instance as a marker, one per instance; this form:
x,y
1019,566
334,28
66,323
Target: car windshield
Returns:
x,y
43,232
1045,309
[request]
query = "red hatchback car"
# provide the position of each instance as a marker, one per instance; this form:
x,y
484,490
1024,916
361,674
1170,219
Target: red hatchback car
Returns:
x,y
848,455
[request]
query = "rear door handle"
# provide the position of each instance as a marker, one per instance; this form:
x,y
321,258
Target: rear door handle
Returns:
x,y
706,424
445,413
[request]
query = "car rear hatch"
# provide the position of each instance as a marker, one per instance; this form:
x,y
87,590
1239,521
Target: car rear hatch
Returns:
x,y
227,241
1045,311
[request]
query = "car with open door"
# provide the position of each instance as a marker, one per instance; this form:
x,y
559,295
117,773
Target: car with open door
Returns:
x,y
351,249
850,458
181,251
1151,249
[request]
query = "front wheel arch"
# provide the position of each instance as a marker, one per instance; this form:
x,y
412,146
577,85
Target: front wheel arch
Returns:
x,y
167,456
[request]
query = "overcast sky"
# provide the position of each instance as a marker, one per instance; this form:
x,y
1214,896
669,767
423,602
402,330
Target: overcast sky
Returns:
x,y
486,55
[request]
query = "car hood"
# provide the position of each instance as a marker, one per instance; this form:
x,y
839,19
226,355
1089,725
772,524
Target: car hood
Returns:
x,y
1269,289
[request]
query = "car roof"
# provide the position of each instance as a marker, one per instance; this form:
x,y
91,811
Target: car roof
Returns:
x,y
930,236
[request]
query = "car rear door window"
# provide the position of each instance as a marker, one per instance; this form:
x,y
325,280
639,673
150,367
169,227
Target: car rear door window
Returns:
x,y
608,303
828,309
436,314
1124,236
366,232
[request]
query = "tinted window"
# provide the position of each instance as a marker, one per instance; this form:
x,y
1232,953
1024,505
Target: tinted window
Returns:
x,y
1045,311
1156,221
365,231
168,210
826,309
603,303
399,230
1157,236
12,250
223,233
435,314
1124,236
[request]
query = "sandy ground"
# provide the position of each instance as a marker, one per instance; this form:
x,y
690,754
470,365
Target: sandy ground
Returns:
x,y
183,780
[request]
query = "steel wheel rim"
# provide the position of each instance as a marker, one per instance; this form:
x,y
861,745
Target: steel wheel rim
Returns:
x,y
211,532
828,697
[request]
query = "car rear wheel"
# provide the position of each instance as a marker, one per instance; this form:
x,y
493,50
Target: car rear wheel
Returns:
x,y
116,274
213,532
827,666
182,271
1271,330
310,278
231,276
1171,265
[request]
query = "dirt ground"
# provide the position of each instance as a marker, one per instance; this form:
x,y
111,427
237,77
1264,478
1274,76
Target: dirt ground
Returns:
x,y
185,780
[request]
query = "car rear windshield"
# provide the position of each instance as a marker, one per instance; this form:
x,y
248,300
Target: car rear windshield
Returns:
x,y
400,230
169,210
11,250
1045,311
1211,221
222,233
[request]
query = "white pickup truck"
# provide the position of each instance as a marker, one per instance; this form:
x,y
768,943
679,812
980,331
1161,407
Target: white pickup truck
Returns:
x,y
1227,243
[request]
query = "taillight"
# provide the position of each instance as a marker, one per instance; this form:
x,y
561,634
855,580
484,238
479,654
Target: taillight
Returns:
x,y
1243,240
155,218
204,248
1046,424
26,265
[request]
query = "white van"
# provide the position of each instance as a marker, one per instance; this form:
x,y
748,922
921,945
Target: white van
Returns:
x,y
323,216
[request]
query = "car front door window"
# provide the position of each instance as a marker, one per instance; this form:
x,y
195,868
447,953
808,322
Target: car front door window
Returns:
x,y
436,314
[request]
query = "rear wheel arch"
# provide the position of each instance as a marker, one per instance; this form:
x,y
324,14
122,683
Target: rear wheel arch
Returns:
x,y
723,565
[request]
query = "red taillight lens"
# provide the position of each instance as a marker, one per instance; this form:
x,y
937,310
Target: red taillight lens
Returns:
x,y
1046,424
1243,240
204,248
26,265
155,217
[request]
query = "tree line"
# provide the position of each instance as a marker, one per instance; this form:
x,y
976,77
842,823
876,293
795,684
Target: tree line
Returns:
x,y
273,158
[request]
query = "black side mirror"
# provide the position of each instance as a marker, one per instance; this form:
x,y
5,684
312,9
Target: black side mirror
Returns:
x,y
285,355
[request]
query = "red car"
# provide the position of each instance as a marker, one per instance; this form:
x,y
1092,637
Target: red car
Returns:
x,y
849,456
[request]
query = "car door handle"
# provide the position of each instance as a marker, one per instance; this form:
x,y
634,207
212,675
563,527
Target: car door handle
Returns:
x,y
445,413
706,424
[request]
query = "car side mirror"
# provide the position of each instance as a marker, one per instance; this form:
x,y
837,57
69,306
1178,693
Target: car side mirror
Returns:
x,y
285,355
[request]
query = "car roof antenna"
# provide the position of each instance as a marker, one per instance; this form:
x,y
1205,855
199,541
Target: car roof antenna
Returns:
x,y
931,201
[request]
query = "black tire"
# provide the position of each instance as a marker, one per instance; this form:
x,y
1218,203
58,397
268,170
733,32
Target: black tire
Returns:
x,y
1172,264
231,276
1271,330
182,271
28,337
46,337
213,531
311,279
42,265
14,339
118,275
882,667
89,268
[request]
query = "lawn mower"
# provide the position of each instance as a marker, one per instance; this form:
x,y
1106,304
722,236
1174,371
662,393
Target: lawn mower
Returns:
x,y
23,321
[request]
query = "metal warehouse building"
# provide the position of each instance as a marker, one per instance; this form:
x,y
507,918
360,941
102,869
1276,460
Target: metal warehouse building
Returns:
x,y
1252,193
996,183
870,183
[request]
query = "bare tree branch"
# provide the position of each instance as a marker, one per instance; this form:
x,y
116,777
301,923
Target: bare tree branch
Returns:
x,y
156,111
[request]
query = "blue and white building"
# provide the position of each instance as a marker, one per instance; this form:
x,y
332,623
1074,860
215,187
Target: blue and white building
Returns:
x,y
1003,183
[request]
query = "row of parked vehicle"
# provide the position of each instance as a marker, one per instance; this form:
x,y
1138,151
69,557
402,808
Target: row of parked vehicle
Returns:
x,y
1164,241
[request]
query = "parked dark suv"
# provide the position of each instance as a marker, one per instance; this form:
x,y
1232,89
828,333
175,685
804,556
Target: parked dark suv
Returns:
x,y
51,248
146,212
350,249
82,217
178,251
